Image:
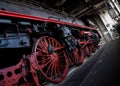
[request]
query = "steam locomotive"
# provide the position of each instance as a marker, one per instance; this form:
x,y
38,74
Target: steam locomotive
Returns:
x,y
35,50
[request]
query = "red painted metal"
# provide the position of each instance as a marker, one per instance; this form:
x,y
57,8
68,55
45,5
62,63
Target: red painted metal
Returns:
x,y
87,51
53,64
48,58
77,56
8,76
85,42
88,47
93,47
25,16
11,76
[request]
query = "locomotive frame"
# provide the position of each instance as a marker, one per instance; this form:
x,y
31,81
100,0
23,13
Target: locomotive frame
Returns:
x,y
51,47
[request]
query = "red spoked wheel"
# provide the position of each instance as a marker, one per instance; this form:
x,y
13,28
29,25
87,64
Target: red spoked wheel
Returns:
x,y
87,51
51,59
93,48
77,56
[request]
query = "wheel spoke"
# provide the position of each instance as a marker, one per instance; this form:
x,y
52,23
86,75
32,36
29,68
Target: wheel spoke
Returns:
x,y
44,55
76,57
55,69
49,68
49,41
60,68
45,64
38,49
87,51
58,48
43,45
58,72
60,53
53,43
51,74
43,60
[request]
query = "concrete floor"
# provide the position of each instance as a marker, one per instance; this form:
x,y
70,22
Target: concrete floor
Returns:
x,y
102,69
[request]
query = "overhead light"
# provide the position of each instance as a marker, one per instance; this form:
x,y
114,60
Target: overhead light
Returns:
x,y
86,0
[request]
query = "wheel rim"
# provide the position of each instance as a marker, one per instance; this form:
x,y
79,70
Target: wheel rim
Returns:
x,y
51,58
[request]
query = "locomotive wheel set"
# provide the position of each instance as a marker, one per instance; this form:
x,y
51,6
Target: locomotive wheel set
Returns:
x,y
42,50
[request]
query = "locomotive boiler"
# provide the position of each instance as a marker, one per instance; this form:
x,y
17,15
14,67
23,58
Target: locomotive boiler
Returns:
x,y
35,50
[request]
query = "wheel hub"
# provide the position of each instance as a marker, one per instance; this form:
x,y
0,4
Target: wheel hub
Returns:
x,y
54,57
50,49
